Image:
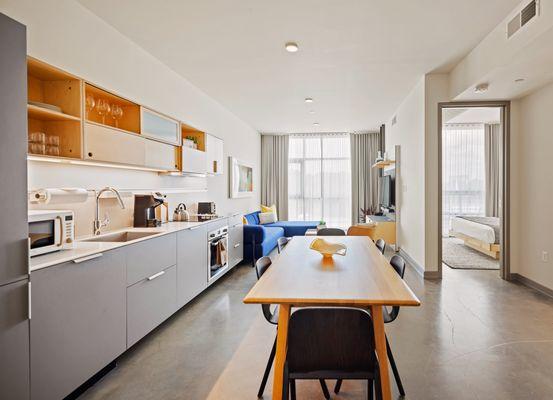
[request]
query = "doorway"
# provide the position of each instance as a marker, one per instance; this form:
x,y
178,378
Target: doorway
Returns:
x,y
473,186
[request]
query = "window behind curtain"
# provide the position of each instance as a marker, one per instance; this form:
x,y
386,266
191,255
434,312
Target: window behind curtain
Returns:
x,y
463,187
319,179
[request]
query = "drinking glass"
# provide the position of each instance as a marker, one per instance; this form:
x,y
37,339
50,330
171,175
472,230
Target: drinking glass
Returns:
x,y
53,140
116,114
103,108
37,137
90,103
53,150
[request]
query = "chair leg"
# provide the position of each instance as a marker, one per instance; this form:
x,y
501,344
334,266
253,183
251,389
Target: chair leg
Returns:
x,y
285,384
338,386
267,371
325,389
293,389
394,368
370,389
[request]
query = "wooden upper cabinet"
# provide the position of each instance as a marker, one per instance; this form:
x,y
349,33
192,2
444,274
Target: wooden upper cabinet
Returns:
x,y
53,110
159,127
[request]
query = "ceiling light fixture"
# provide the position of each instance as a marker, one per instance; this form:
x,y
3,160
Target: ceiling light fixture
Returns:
x,y
316,123
308,100
482,87
291,47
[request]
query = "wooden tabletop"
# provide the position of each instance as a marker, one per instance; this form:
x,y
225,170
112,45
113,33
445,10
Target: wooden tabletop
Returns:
x,y
301,276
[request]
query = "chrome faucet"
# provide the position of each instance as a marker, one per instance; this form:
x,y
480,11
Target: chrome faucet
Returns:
x,y
97,223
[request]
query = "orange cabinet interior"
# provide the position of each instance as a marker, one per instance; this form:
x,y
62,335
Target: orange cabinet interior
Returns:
x,y
189,132
51,86
129,121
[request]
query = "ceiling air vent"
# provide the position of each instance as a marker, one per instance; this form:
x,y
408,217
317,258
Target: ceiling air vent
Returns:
x,y
522,18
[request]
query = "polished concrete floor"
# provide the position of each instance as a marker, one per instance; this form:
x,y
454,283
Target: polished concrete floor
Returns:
x,y
474,337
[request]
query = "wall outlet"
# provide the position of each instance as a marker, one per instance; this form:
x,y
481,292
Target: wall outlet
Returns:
x,y
544,256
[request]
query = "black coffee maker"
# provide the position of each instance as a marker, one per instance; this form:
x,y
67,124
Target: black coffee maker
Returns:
x,y
145,210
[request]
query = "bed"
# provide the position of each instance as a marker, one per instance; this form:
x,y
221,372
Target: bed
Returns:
x,y
478,233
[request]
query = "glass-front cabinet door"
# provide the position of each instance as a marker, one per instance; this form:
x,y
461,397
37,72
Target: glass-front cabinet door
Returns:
x,y
159,127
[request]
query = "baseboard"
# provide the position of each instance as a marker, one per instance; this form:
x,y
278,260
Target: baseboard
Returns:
x,y
531,284
419,268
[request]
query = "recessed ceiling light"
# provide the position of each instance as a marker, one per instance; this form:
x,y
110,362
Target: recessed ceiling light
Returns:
x,y
308,100
519,80
482,87
316,123
291,47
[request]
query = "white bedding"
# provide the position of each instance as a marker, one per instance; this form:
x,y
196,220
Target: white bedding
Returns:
x,y
473,229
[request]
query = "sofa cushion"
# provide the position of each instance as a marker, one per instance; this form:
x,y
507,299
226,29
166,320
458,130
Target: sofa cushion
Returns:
x,y
252,218
294,228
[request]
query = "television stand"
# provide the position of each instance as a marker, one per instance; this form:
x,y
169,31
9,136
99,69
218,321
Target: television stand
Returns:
x,y
384,227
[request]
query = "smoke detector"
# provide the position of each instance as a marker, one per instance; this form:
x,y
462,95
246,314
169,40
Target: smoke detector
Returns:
x,y
482,87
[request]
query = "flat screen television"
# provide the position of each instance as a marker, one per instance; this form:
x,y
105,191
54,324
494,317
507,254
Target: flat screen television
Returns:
x,y
387,191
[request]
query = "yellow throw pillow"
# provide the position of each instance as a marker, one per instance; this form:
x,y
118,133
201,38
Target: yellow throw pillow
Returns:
x,y
271,209
244,221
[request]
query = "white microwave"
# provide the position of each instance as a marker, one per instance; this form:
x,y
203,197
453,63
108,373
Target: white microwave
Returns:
x,y
50,230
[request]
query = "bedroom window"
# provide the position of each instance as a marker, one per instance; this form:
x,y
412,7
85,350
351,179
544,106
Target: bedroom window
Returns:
x,y
319,179
463,150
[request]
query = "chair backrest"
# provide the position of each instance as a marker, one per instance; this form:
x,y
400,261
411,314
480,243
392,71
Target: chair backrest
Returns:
x,y
281,242
381,245
398,263
261,266
331,232
330,339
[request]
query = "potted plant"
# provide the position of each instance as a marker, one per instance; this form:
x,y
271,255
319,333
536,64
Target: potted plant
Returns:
x,y
321,225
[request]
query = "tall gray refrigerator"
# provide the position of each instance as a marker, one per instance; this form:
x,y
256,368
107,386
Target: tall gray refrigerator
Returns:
x,y
14,276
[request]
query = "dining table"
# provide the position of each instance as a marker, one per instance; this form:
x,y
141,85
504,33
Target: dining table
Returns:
x,y
302,277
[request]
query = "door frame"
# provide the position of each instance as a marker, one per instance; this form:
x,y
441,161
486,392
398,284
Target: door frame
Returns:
x,y
505,107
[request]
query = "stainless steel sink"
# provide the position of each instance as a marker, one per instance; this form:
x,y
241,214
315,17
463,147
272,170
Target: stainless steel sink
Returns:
x,y
125,236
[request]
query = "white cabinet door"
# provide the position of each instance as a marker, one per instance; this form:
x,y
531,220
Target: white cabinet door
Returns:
x,y
159,127
193,161
111,145
214,153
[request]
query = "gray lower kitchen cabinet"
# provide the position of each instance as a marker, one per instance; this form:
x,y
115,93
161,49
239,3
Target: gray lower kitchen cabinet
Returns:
x,y
150,256
150,302
14,341
191,263
235,244
78,322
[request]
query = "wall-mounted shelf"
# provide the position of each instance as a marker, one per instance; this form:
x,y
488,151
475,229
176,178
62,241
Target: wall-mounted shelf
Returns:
x,y
383,164
46,114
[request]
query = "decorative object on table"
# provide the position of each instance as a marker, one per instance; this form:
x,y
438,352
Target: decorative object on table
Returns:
x,y
90,103
45,105
241,179
321,225
181,214
328,249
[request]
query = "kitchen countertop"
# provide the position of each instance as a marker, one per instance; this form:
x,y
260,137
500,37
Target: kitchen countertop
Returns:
x,y
81,248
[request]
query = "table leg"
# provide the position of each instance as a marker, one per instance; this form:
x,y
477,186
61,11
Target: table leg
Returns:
x,y
280,357
380,344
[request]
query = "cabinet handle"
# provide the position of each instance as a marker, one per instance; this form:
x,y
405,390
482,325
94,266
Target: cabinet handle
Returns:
x,y
30,293
154,276
195,227
83,259
237,245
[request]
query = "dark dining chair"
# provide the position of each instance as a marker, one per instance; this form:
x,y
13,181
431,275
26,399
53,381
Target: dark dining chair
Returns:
x,y
281,243
381,245
398,264
331,232
261,266
330,343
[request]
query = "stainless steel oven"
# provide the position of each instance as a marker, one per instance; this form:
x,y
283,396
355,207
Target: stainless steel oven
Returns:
x,y
217,253
50,230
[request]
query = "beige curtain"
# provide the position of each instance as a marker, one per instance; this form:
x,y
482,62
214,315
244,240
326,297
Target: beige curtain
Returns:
x,y
274,173
493,169
364,178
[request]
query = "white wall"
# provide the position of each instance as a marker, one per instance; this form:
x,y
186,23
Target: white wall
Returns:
x,y
409,133
65,34
532,187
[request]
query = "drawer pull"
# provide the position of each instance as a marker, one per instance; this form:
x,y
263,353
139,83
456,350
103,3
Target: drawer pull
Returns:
x,y
237,245
154,276
195,227
83,259
238,224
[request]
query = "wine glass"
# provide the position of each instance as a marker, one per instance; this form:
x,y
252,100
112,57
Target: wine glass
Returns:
x,y
116,114
90,103
103,108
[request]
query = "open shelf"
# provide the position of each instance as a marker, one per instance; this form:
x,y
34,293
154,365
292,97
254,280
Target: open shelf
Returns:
x,y
69,132
130,121
198,136
46,114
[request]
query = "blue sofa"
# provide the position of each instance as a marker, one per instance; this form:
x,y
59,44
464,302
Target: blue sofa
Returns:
x,y
263,238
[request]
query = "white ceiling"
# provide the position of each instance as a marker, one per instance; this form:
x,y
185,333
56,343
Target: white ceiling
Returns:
x,y
358,58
